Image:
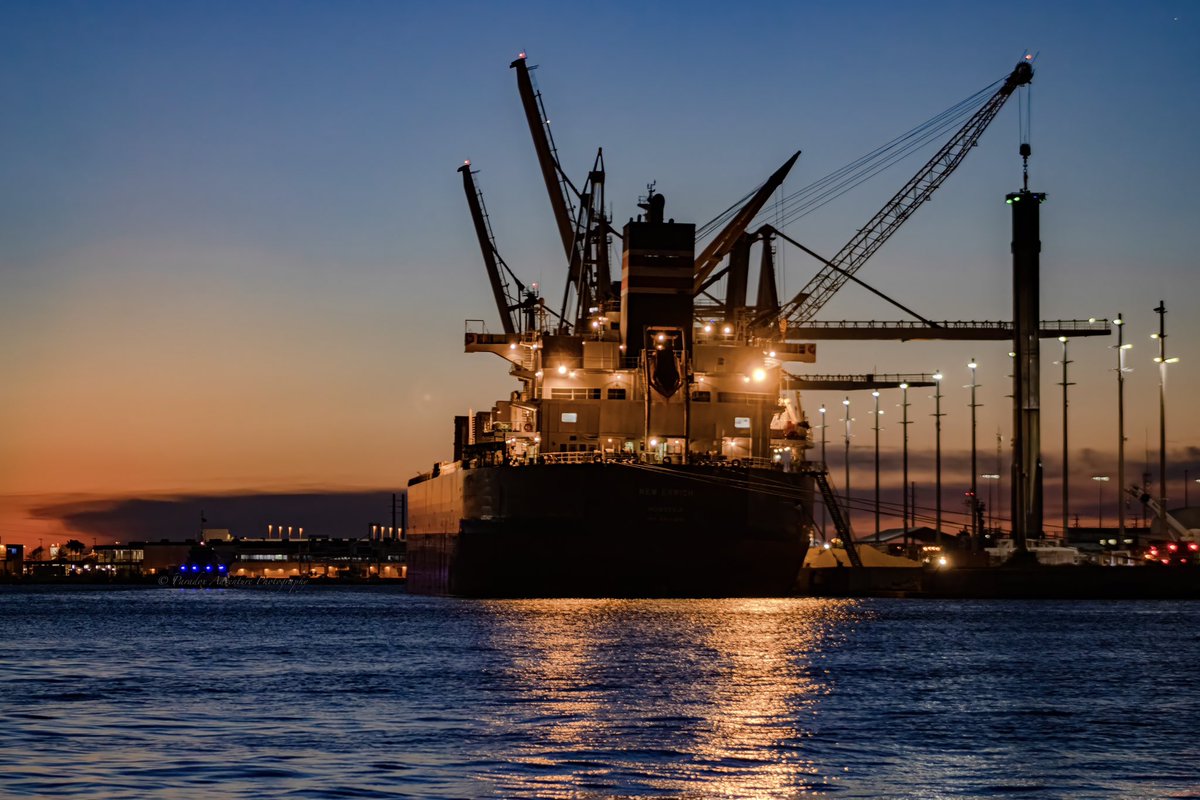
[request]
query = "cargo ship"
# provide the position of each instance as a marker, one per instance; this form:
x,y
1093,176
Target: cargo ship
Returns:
x,y
645,456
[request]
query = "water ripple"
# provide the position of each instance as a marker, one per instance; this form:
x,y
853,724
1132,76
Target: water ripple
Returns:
x,y
370,693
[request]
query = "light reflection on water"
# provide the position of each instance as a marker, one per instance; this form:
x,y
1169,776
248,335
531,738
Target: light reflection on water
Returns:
x,y
372,693
666,697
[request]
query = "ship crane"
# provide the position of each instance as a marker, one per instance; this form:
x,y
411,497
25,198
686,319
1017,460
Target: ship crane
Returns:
x,y
920,188
728,239
583,230
517,306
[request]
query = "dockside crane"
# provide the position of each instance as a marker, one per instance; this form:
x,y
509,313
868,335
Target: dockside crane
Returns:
x,y
515,303
920,188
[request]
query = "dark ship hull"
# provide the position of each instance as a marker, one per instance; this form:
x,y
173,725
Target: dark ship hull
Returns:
x,y
607,530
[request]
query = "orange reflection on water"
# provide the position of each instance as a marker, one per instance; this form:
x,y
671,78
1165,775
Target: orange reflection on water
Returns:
x,y
687,697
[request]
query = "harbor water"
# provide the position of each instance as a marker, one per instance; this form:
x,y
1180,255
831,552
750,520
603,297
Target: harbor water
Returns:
x,y
303,692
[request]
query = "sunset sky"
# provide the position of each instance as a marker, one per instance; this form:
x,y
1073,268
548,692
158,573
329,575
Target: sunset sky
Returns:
x,y
235,257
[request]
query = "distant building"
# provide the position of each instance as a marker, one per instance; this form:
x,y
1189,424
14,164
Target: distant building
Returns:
x,y
319,557
14,561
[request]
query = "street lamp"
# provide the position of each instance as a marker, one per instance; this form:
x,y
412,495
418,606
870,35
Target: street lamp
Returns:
x,y
904,427
976,534
993,479
875,394
1066,472
824,466
1162,362
1121,370
1100,481
937,449
846,403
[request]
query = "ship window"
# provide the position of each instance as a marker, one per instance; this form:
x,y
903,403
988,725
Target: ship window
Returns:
x,y
702,397
574,394
616,394
721,361
741,422
570,416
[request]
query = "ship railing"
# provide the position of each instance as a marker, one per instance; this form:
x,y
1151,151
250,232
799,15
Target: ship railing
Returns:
x,y
584,457
748,462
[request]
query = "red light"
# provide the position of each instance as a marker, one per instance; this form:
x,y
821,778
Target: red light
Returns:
x,y
1172,547
1166,561
1193,546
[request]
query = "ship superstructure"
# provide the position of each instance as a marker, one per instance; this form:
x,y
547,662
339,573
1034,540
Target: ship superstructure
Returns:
x,y
644,380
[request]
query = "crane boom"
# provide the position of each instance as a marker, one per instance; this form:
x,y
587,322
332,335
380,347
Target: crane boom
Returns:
x,y
723,243
547,160
491,259
920,188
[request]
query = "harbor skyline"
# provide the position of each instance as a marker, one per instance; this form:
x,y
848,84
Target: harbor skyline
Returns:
x,y
236,259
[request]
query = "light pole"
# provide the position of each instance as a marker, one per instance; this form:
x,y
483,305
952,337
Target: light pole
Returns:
x,y
1066,472
1100,481
1162,362
993,478
875,394
937,450
824,466
904,427
1121,370
976,534
846,404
